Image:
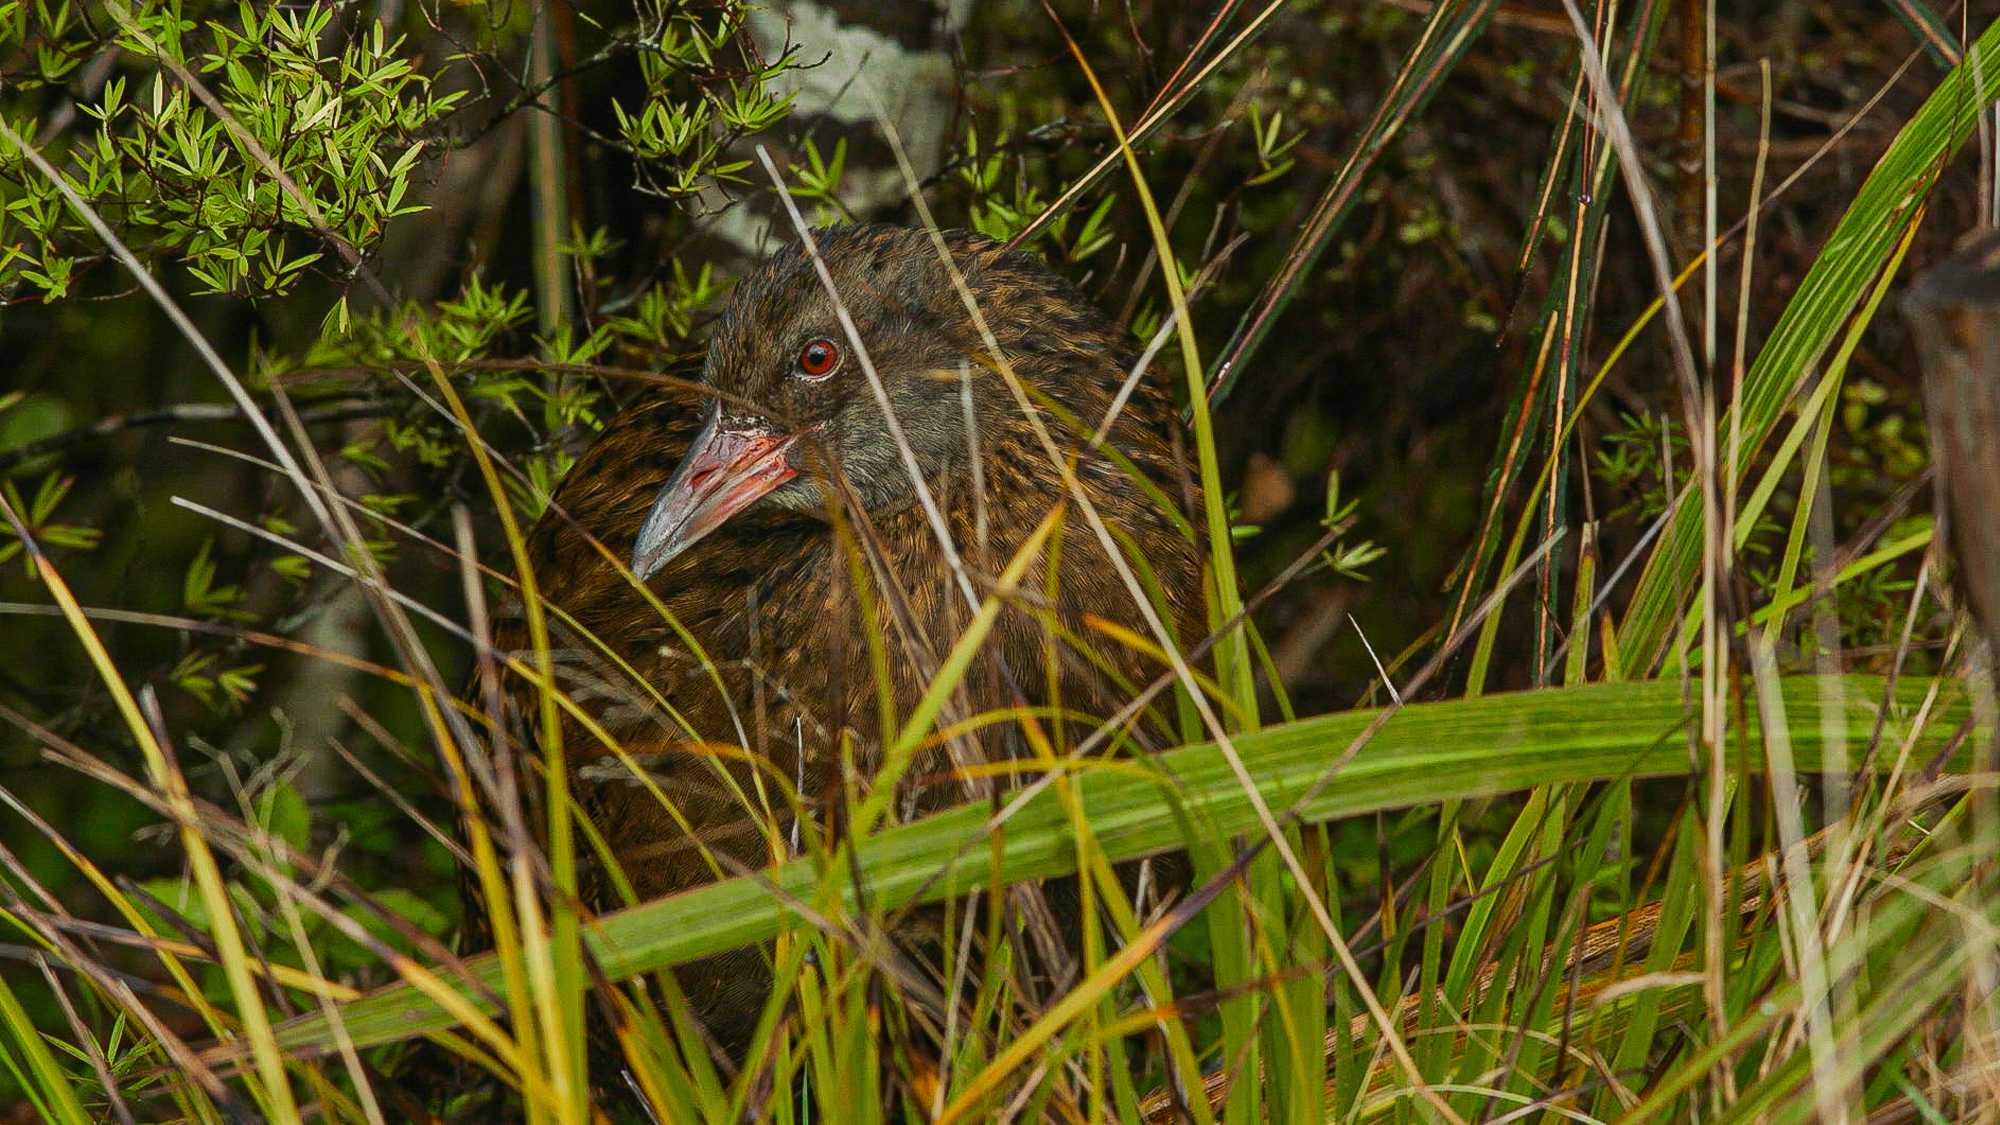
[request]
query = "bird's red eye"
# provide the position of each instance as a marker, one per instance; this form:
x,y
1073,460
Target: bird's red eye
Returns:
x,y
818,359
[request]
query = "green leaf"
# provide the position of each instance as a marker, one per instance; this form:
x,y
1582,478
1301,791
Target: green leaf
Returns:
x,y
285,814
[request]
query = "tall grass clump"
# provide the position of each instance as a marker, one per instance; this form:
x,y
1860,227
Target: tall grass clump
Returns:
x,y
1626,828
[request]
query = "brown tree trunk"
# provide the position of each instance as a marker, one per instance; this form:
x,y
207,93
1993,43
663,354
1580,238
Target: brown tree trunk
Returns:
x,y
1955,311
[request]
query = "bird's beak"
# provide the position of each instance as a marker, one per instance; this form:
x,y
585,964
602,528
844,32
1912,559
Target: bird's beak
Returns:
x,y
725,470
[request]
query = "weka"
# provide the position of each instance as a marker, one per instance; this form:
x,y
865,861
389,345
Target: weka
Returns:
x,y
745,512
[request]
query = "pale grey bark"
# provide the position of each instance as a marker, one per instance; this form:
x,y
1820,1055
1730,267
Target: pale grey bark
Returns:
x,y
871,67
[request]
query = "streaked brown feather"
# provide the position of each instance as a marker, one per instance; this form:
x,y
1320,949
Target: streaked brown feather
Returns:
x,y
769,596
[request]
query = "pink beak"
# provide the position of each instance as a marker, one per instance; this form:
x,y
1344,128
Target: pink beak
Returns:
x,y
724,472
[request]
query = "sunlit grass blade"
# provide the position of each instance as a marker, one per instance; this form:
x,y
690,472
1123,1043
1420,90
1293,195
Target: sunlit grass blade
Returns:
x,y
1429,752
34,1067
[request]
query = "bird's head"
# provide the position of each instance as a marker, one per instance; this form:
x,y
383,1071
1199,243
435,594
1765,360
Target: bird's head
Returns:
x,y
794,403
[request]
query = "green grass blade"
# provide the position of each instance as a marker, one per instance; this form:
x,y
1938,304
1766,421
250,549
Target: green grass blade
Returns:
x,y
36,1069
1446,39
1855,254
1429,752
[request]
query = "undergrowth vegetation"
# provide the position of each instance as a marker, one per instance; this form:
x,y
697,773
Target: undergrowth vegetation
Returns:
x,y
1587,729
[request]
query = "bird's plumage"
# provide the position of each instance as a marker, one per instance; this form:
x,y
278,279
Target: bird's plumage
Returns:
x,y
783,596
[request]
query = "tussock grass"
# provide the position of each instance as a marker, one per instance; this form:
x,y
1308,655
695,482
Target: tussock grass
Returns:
x,y
1808,934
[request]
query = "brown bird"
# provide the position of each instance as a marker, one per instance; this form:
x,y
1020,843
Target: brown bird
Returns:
x,y
786,519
